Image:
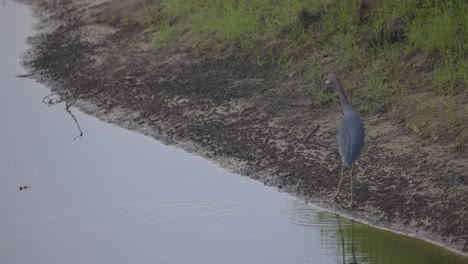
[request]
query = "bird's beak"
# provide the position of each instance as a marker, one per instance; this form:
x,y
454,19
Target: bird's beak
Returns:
x,y
327,82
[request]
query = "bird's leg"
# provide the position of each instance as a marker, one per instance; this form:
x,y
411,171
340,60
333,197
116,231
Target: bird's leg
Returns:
x,y
335,197
351,180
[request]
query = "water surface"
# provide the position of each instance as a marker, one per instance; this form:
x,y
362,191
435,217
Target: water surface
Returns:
x,y
114,196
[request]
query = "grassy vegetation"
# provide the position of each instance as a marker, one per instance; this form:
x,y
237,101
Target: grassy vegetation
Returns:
x,y
404,58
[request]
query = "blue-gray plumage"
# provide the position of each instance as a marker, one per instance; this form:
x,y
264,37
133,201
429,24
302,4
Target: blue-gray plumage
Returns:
x,y
350,137
350,134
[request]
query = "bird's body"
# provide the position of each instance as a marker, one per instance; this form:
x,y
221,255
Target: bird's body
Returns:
x,y
350,137
350,134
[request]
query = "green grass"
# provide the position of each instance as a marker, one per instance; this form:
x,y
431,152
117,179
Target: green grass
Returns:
x,y
165,34
450,74
340,17
385,51
437,32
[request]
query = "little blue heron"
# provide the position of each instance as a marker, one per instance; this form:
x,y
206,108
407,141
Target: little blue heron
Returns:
x,y
350,135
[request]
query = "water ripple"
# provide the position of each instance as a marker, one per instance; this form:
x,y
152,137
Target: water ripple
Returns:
x,y
304,215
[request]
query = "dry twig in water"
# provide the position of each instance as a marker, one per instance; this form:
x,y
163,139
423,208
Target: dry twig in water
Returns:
x,y
55,98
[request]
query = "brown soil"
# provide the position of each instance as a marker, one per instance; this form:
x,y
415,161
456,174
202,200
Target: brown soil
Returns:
x,y
248,118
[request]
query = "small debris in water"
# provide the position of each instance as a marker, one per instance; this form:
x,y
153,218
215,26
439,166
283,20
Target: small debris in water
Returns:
x,y
25,187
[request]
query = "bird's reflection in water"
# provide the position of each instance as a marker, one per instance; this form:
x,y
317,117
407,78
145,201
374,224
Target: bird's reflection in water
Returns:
x,y
343,241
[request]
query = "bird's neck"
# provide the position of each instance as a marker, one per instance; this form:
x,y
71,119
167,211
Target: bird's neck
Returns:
x,y
341,93
344,102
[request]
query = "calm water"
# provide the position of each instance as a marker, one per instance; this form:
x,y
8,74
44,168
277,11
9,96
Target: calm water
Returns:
x,y
114,196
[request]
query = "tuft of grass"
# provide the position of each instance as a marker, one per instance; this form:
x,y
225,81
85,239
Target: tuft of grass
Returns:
x,y
376,96
345,47
339,17
452,76
165,34
437,32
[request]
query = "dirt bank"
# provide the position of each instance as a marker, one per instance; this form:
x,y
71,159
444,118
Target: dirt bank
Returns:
x,y
248,118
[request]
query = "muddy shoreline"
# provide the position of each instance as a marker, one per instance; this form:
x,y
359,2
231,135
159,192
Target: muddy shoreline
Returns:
x,y
250,119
